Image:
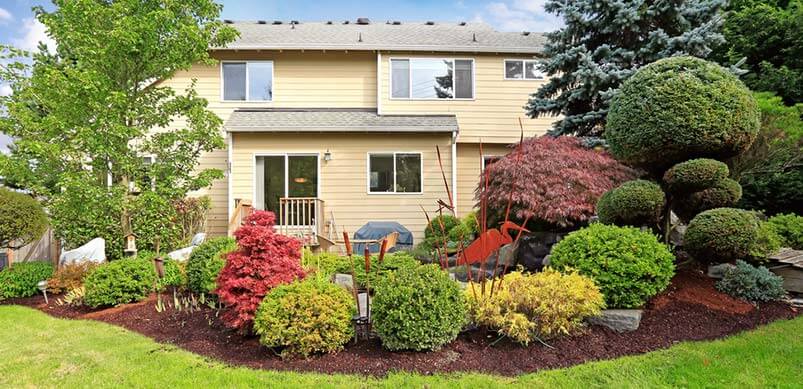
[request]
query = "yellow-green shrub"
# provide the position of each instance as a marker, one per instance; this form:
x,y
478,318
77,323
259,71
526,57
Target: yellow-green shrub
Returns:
x,y
525,307
306,317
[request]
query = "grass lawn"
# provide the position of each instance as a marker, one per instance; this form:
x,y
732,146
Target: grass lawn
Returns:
x,y
37,350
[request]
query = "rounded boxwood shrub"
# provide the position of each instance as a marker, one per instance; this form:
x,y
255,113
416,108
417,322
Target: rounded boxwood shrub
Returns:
x,y
206,262
790,228
634,203
695,175
418,308
437,236
680,108
22,219
305,317
724,193
768,242
119,282
22,278
721,235
628,265
751,283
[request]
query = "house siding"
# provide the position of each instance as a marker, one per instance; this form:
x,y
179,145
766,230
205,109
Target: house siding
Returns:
x,y
343,181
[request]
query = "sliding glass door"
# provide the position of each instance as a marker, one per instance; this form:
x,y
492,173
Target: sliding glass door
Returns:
x,y
285,176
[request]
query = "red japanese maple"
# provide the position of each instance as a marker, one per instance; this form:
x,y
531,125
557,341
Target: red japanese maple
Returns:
x,y
263,260
553,180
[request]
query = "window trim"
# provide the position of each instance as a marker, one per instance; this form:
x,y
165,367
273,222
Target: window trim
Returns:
x,y
410,79
523,70
394,153
484,156
247,79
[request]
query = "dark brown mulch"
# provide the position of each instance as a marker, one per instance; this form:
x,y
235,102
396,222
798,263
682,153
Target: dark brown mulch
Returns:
x,y
690,309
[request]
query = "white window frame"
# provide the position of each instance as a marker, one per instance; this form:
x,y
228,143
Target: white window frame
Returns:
x,y
247,80
523,70
394,153
410,79
482,159
286,156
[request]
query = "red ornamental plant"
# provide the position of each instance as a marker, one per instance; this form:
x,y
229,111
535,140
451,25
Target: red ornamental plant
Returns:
x,y
263,260
547,179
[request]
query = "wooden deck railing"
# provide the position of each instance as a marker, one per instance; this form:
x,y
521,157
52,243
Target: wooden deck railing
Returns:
x,y
302,217
241,211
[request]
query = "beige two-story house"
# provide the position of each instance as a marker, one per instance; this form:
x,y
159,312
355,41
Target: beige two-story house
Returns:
x,y
335,124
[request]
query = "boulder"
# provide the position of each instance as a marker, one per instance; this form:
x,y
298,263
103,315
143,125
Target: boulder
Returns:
x,y
93,251
718,271
344,280
619,320
534,248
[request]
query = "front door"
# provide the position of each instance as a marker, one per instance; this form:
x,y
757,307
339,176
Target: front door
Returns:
x,y
285,176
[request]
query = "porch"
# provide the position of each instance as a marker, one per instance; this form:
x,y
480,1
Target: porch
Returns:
x,y
300,217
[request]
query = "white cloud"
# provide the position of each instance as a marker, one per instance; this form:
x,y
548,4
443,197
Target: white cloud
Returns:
x,y
5,16
520,15
33,33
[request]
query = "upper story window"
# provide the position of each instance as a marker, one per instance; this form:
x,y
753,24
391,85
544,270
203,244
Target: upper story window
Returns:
x,y
394,173
432,78
248,81
518,69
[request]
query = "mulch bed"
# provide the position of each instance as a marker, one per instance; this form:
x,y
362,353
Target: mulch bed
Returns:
x,y
690,309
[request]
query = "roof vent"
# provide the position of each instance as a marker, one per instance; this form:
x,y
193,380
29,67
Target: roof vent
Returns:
x,y
227,21
360,38
396,23
474,37
363,21
277,22
346,22
294,22
525,33
260,22
461,23
328,22
430,23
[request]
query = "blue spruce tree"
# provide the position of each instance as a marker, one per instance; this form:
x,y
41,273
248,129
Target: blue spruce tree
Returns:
x,y
603,42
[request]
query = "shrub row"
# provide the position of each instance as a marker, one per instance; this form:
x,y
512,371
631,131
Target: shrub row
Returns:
x,y
22,278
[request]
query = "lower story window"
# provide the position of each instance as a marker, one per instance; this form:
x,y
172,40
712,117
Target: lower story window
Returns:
x,y
394,173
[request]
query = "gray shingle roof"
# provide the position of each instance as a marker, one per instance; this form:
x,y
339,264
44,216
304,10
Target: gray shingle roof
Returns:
x,y
335,120
407,36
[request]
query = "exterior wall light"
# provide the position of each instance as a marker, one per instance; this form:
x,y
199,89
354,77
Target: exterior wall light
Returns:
x,y
327,156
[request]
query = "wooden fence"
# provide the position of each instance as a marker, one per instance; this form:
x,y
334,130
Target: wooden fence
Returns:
x,y
45,249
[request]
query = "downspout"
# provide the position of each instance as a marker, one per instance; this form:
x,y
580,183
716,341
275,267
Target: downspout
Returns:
x,y
454,171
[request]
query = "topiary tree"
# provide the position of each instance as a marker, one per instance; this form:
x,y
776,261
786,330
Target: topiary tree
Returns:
x,y
680,108
628,265
553,181
676,118
722,235
22,219
264,260
634,203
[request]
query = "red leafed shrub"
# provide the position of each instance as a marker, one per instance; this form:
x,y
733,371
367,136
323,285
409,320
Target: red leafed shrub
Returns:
x,y
263,260
552,181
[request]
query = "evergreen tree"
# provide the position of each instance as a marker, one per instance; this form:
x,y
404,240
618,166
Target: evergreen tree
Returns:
x,y
603,42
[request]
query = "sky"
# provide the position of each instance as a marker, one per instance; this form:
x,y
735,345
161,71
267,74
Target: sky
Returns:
x,y
19,28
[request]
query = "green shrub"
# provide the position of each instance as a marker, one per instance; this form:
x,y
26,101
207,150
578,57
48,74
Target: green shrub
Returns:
x,y
768,242
634,203
22,278
418,308
724,193
721,235
391,262
680,108
175,275
628,265
153,217
119,282
205,263
695,175
22,219
471,221
436,233
527,307
790,228
755,284
305,317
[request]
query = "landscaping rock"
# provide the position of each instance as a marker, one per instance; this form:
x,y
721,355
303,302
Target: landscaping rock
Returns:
x,y
619,320
344,280
534,248
718,271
